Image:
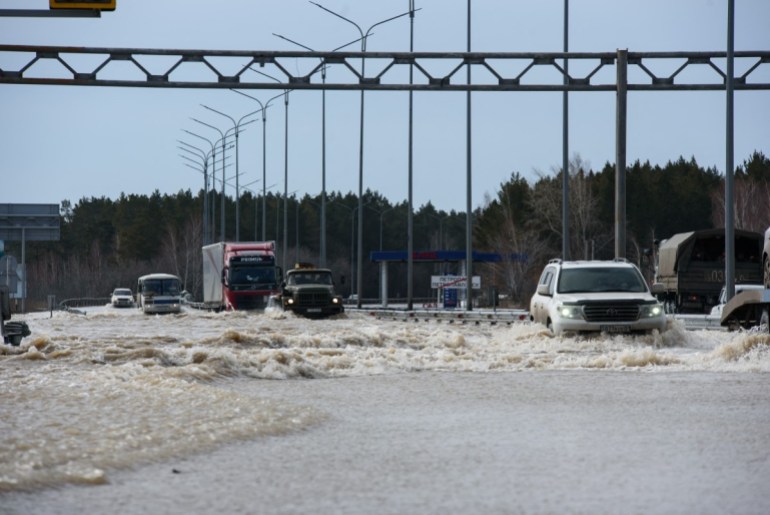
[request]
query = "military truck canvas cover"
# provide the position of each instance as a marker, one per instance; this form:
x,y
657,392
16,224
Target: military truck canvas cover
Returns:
x,y
670,250
677,252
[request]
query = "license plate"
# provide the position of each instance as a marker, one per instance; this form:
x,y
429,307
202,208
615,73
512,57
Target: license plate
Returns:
x,y
615,328
314,310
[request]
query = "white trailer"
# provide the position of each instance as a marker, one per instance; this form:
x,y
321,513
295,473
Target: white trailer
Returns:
x,y
213,266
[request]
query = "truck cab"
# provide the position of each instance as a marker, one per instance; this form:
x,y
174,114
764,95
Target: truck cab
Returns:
x,y
309,291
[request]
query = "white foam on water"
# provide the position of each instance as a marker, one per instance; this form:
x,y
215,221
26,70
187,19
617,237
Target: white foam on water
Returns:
x,y
116,388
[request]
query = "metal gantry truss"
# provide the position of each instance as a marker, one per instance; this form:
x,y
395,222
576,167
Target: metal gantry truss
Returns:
x,y
497,71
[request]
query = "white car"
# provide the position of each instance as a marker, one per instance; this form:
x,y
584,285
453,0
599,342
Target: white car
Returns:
x,y
716,311
595,296
122,297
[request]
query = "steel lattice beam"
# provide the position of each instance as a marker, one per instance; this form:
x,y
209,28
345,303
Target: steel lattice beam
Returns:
x,y
500,71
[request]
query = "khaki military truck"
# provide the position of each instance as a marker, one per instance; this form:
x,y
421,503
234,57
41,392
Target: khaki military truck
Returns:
x,y
690,268
309,291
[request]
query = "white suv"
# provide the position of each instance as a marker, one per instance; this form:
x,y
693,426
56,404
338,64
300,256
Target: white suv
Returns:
x,y
607,296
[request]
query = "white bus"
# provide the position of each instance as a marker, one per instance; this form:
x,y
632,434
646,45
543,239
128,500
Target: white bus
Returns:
x,y
159,293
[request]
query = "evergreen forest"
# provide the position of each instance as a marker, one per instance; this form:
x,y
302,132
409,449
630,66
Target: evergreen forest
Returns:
x,y
108,243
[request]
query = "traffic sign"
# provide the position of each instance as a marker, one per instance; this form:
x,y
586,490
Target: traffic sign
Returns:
x,y
454,282
99,5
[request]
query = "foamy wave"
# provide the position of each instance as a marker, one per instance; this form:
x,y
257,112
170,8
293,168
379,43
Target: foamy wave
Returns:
x,y
116,417
747,347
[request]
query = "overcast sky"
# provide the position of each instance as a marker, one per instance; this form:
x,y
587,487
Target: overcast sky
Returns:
x,y
70,142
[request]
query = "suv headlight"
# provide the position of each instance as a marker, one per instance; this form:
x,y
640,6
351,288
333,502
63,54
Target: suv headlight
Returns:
x,y
571,311
651,310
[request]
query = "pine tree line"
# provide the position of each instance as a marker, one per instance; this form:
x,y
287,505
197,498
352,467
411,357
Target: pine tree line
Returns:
x,y
109,243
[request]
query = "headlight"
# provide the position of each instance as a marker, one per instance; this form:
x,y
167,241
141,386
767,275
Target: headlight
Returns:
x,y
335,300
290,301
651,310
572,311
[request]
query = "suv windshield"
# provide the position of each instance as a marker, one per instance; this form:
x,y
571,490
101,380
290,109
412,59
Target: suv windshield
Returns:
x,y
600,279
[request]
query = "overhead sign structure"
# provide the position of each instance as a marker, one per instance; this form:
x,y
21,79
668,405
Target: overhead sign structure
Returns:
x,y
11,275
99,5
29,222
454,282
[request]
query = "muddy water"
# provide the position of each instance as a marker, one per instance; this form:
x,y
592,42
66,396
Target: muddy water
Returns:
x,y
446,416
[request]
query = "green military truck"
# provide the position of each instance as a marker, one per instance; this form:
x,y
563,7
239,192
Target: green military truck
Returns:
x,y
309,291
690,268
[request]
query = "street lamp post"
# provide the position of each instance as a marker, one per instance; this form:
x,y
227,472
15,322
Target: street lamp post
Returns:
x,y
203,164
352,211
264,153
296,229
202,167
256,211
213,145
237,126
410,166
285,165
364,35
468,184
212,207
223,140
322,250
382,214
246,187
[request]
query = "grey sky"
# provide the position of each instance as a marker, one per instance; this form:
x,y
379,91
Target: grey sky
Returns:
x,y
61,142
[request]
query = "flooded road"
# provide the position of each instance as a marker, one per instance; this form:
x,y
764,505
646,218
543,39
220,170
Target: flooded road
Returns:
x,y
270,413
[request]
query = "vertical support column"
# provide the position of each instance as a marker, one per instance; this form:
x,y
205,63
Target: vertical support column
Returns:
x,y
620,153
24,270
410,214
468,183
565,252
729,137
384,283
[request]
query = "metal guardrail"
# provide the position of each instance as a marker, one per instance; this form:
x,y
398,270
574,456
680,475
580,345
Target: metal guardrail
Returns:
x,y
505,316
83,302
699,322
72,305
492,317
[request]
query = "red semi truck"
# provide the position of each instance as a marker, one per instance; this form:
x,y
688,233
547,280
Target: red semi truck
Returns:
x,y
239,276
